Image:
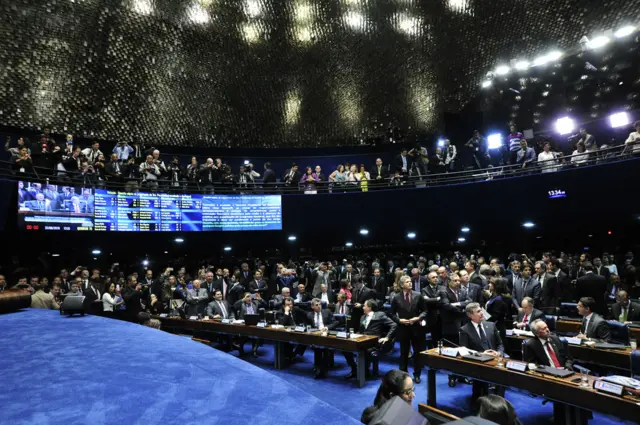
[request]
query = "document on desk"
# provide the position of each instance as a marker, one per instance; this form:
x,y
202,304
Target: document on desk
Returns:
x,y
520,332
623,380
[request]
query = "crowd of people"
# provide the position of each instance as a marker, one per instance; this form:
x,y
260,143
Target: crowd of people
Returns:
x,y
397,298
134,166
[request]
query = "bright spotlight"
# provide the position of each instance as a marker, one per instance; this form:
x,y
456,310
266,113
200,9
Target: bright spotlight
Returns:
x,y
598,42
411,235
540,60
528,224
355,20
461,239
554,55
227,248
145,263
364,231
522,65
565,125
292,238
441,143
348,244
486,83
246,162
502,70
494,141
465,230
620,119
55,255
178,240
252,8
624,31
96,252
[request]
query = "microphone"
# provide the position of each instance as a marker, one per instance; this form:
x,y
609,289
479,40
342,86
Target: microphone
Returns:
x,y
452,343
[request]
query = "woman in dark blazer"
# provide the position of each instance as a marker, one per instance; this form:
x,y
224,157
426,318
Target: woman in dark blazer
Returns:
x,y
500,305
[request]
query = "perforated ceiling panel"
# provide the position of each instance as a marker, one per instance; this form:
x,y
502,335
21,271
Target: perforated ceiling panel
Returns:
x,y
268,72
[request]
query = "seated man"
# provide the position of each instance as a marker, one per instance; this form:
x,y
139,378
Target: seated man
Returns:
x,y
287,317
624,310
528,314
593,325
302,296
373,322
221,309
321,320
279,298
249,304
325,295
545,349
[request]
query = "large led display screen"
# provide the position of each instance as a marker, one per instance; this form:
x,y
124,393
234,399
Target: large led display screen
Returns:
x,y
100,210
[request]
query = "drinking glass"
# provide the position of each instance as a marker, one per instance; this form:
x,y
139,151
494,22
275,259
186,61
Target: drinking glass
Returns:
x,y
500,360
584,378
634,344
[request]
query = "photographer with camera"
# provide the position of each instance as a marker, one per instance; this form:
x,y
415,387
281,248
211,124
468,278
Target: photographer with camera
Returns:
x,y
247,176
175,173
150,173
122,150
92,153
479,147
420,159
134,293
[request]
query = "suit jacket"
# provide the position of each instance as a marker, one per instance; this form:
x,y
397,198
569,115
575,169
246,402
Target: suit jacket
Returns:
x,y
399,310
595,286
633,312
478,279
363,295
469,337
330,296
535,315
430,296
286,319
397,163
89,298
214,308
234,292
452,316
382,173
513,280
347,309
604,272
132,301
379,285
380,325
260,286
423,283
241,308
565,290
306,297
352,274
531,289
293,181
548,290
474,294
197,300
34,205
327,319
534,352
43,300
598,328
269,176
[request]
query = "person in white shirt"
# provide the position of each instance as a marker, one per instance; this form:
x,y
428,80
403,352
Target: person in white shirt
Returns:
x,y
547,159
110,301
632,144
92,153
579,156
324,295
150,172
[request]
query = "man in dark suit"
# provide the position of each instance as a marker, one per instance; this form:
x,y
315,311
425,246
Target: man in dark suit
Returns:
x,y
40,203
360,294
527,286
433,294
257,284
348,274
471,267
480,335
377,323
599,269
564,290
325,296
625,310
93,294
292,176
451,310
408,310
513,279
545,349
469,292
302,296
417,281
401,163
219,308
379,285
593,325
133,293
594,286
278,300
528,314
322,320
269,176
245,275
378,173
209,284
548,286
613,287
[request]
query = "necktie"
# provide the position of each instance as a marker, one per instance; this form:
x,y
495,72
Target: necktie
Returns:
x,y
541,280
224,310
417,284
552,354
77,209
40,206
623,316
524,320
318,320
342,309
407,299
483,337
250,309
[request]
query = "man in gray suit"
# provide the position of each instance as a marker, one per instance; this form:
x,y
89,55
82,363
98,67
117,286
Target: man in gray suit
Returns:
x,y
40,204
528,314
43,300
593,325
197,298
219,308
526,287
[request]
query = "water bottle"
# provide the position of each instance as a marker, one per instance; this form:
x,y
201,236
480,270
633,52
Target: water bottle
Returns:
x,y
440,347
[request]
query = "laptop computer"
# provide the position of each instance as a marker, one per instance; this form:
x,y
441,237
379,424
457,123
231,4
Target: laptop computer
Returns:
x,y
483,358
251,319
558,373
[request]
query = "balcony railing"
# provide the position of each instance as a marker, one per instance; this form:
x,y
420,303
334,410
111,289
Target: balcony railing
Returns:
x,y
561,163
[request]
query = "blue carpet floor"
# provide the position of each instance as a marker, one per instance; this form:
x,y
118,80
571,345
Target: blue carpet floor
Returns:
x,y
91,370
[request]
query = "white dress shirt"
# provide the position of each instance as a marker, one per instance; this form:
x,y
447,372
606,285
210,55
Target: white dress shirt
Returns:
x,y
318,320
586,323
324,297
367,319
544,343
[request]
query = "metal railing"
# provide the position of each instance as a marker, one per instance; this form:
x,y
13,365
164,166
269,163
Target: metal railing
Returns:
x,y
413,179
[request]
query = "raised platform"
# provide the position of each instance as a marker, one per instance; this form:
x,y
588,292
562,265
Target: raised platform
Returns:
x,y
93,370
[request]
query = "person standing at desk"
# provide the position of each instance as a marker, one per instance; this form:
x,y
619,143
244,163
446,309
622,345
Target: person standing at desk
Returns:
x,y
322,320
408,310
593,325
